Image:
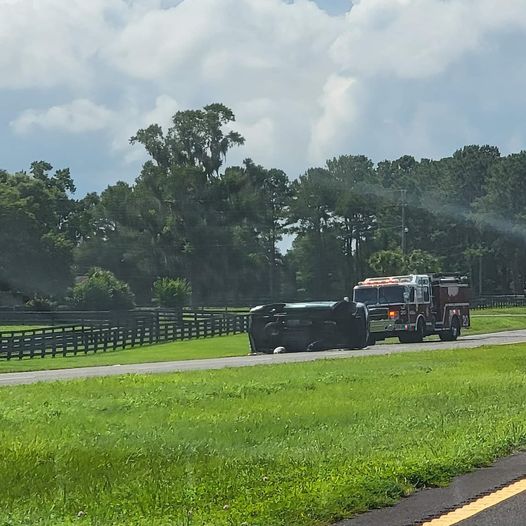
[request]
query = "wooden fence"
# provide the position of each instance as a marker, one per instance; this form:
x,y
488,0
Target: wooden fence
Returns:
x,y
65,317
133,331
498,302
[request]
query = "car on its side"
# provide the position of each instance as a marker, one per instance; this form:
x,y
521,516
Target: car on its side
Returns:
x,y
309,326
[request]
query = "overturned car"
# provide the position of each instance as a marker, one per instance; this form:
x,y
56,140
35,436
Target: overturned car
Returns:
x,y
313,326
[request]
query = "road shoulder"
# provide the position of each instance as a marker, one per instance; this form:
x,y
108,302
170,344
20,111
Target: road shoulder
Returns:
x,y
435,502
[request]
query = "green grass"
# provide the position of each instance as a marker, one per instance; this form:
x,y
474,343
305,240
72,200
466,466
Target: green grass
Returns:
x,y
218,347
302,444
20,327
505,310
497,320
226,346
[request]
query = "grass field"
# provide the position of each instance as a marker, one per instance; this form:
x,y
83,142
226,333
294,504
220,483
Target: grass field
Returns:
x,y
504,310
497,320
218,347
20,327
301,445
482,322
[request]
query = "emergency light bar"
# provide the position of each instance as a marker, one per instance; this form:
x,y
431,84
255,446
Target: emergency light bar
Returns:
x,y
391,280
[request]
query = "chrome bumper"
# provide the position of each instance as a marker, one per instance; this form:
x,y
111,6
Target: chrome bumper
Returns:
x,y
386,326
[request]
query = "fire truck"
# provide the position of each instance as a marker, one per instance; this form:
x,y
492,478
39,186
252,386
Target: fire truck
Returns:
x,y
414,306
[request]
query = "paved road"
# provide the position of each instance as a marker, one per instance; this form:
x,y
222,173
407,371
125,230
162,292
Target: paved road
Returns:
x,y
500,338
511,512
429,504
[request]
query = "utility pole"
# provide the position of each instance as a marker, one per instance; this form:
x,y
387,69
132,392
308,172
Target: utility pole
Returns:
x,y
480,273
403,194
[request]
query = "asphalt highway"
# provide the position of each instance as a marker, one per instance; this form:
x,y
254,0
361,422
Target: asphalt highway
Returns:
x,y
446,506
501,338
511,512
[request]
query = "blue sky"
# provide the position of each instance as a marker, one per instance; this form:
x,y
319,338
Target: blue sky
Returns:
x,y
307,81
334,7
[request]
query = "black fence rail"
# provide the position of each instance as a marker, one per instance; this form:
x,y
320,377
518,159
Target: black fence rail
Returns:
x,y
25,317
134,331
50,318
498,302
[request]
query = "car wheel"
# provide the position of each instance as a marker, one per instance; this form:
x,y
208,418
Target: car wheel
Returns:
x,y
362,338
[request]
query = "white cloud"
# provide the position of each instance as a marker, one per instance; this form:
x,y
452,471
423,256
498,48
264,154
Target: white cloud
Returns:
x,y
338,113
390,77
420,38
131,118
79,116
49,43
213,38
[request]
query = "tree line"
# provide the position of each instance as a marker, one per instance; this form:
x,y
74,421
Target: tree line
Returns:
x,y
220,230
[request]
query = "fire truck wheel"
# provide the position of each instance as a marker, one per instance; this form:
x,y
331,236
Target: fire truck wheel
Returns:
x,y
413,337
418,335
453,333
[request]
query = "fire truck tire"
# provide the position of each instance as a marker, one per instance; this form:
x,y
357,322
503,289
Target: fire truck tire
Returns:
x,y
418,335
453,333
414,337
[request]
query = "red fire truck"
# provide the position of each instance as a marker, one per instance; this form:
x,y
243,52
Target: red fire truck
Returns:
x,y
414,306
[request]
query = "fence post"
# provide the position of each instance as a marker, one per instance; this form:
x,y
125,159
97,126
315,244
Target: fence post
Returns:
x,y
64,342
85,339
9,347
76,335
53,343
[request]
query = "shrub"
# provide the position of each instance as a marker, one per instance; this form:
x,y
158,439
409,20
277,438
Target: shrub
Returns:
x,y
102,291
38,303
172,293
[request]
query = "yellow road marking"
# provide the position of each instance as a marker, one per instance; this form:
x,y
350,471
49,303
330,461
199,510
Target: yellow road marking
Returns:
x,y
467,511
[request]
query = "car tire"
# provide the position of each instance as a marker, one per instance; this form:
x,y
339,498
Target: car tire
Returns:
x,y
362,338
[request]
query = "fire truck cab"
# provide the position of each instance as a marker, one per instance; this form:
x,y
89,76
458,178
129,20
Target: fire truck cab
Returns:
x,y
414,306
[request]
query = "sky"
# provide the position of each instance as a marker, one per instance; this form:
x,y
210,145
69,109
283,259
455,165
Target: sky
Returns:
x,y
308,80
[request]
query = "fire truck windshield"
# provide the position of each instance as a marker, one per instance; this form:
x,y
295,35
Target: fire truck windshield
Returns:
x,y
392,294
367,295
380,295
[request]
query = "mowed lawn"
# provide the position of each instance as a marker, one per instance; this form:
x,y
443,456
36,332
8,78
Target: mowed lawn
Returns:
x,y
483,321
218,347
20,327
497,320
301,445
